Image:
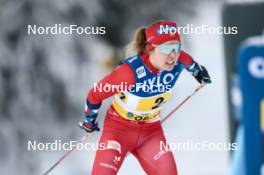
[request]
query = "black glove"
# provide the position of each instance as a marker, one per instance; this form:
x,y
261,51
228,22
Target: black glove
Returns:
x,y
89,124
200,74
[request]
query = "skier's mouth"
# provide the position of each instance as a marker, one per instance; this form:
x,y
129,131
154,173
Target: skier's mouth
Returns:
x,y
170,63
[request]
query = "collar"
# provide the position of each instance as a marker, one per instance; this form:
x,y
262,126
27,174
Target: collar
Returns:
x,y
148,64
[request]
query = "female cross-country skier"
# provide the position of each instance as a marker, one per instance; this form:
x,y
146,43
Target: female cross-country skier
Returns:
x,y
132,123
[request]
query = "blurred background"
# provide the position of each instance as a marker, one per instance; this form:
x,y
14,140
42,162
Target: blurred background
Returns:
x,y
44,80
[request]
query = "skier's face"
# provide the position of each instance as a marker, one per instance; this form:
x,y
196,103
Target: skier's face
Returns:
x,y
165,56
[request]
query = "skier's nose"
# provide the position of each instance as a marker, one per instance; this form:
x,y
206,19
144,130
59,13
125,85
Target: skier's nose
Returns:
x,y
173,54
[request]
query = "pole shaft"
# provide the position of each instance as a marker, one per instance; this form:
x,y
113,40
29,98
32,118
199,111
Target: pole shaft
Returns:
x,y
66,154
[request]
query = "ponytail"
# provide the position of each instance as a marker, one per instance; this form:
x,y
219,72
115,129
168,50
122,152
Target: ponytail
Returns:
x,y
138,46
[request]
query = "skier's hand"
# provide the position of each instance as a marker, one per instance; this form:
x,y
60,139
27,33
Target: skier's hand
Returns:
x,y
201,74
89,125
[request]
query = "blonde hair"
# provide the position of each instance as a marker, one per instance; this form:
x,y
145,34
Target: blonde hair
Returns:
x,y
138,45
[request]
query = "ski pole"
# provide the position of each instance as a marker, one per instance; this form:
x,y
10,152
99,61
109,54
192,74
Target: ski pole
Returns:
x,y
67,153
88,134
184,101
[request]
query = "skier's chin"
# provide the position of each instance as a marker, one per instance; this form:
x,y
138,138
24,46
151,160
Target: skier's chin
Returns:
x,y
168,67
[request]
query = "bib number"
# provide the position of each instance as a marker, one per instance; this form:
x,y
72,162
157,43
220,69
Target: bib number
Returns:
x,y
158,102
151,103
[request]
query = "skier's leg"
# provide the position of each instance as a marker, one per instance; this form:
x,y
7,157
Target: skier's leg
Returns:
x,y
153,159
109,159
115,140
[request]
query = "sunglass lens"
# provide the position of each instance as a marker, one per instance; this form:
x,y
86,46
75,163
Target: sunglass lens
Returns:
x,y
167,49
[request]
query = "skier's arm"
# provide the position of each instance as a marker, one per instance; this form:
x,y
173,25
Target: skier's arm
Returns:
x,y
198,71
122,75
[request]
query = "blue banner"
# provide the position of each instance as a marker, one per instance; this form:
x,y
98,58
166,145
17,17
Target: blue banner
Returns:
x,y
251,71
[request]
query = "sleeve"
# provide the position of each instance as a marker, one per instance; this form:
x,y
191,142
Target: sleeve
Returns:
x,y
188,62
122,76
185,59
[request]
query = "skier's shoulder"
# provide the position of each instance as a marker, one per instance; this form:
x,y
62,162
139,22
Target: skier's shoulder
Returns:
x,y
124,72
136,65
133,60
123,68
184,54
185,58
